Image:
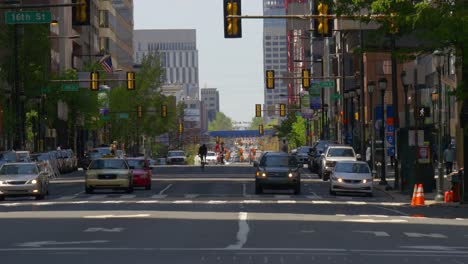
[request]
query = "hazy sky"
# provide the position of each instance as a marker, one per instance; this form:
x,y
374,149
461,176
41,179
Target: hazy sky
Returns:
x,y
234,66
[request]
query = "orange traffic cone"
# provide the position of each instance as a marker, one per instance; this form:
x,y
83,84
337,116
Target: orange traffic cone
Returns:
x,y
413,198
418,196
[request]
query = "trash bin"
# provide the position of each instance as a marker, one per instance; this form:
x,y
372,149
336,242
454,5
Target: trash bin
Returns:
x,y
456,179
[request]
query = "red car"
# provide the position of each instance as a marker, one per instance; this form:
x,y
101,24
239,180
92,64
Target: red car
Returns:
x,y
141,172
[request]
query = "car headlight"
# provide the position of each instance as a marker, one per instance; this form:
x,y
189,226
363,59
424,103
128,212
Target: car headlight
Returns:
x,y
366,180
34,181
1,182
340,180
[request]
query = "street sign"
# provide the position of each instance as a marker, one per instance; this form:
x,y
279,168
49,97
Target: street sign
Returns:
x,y
28,17
123,116
326,84
336,96
70,87
391,140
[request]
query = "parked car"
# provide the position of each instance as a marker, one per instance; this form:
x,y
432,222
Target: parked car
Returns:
x,y
141,172
277,169
176,157
7,156
109,173
211,157
23,179
315,154
46,163
302,154
351,176
23,156
333,154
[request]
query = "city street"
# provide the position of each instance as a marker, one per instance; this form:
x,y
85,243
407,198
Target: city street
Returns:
x,y
213,216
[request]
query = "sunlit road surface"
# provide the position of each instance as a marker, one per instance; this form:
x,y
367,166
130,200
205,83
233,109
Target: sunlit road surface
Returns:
x,y
213,216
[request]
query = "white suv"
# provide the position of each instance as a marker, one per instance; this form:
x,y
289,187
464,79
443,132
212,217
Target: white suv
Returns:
x,y
333,154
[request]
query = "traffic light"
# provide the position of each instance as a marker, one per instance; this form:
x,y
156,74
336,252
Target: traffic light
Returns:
x,y
232,26
306,79
282,109
164,111
270,79
323,26
217,139
139,112
94,84
81,12
130,81
260,130
393,27
258,110
181,128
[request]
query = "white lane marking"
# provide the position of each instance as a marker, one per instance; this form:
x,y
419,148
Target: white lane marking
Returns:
x,y
128,196
286,201
165,189
357,203
191,196
182,201
391,204
158,196
432,235
376,220
244,189
80,202
44,203
321,202
242,233
115,216
216,202
375,233
434,247
10,204
147,202
459,219
251,201
340,214
37,244
102,229
380,216
112,202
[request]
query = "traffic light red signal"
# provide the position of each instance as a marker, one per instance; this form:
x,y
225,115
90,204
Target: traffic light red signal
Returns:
x,y
232,26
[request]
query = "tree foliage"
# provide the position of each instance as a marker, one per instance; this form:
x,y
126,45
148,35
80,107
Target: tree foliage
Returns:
x,y
221,122
256,121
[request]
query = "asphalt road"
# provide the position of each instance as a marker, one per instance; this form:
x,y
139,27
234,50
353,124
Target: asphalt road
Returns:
x,y
212,216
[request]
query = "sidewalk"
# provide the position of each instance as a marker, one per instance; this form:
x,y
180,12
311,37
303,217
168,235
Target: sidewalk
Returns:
x,y
399,197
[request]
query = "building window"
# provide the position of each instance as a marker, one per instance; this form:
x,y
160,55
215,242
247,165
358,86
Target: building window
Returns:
x,y
268,37
275,43
268,55
267,61
267,43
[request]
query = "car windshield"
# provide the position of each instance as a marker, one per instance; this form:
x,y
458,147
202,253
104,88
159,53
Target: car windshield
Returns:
x,y
18,169
340,152
136,164
303,150
108,164
348,167
279,161
176,153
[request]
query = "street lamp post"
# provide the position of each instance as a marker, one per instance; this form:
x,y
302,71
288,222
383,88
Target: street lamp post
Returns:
x,y
351,94
434,100
383,87
370,90
438,61
404,81
359,120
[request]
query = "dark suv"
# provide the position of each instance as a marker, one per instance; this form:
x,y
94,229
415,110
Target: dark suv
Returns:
x,y
277,169
314,154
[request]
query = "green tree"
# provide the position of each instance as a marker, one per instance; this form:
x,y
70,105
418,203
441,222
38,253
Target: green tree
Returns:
x,y
297,137
256,121
221,122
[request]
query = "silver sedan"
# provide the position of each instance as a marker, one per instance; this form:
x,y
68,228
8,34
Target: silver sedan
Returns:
x,y
23,179
351,176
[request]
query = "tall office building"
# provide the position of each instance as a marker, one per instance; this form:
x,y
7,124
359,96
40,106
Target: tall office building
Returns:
x,y
275,55
178,53
210,99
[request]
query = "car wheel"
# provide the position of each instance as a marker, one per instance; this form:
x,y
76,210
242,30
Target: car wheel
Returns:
x,y
325,177
258,188
89,190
